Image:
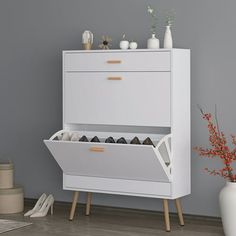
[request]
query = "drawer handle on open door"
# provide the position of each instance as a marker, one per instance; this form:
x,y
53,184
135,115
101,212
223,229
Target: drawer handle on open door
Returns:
x,y
96,149
114,78
114,62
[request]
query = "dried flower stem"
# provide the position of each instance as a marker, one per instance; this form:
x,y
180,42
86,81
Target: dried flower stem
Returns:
x,y
219,148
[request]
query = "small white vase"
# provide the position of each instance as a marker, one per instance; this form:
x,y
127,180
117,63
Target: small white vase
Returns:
x,y
168,41
124,44
153,42
227,200
133,45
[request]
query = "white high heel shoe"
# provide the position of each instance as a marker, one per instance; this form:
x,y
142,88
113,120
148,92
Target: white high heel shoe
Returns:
x,y
37,206
43,211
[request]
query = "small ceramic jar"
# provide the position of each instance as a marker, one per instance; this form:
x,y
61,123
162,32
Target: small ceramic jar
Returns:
x,y
133,45
124,44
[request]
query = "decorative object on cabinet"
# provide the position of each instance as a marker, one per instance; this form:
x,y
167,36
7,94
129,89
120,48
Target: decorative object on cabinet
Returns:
x,y
153,42
221,151
11,197
106,43
133,45
124,44
168,40
87,40
162,76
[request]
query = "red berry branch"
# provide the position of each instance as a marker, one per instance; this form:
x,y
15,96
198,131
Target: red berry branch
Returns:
x,y
219,149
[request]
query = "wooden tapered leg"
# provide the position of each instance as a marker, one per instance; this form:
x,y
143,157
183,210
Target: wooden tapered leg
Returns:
x,y
179,211
73,206
88,204
166,214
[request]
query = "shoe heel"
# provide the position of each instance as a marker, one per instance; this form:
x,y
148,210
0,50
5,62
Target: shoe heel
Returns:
x,y
52,209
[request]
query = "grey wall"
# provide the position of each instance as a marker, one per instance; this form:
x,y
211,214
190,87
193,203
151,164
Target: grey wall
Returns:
x,y
32,35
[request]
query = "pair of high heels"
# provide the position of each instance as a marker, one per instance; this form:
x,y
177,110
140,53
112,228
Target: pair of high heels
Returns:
x,y
42,206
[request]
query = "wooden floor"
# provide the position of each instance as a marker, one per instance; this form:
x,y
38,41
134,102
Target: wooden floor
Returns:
x,y
105,221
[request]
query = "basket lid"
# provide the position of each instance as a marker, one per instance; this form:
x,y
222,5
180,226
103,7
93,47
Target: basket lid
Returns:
x,y
15,190
6,165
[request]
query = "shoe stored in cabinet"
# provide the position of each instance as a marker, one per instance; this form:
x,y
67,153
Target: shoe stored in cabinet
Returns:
x,y
110,140
121,140
83,139
148,141
135,140
95,139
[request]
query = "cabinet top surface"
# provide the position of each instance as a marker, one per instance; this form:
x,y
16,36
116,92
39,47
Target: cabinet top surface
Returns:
x,y
128,50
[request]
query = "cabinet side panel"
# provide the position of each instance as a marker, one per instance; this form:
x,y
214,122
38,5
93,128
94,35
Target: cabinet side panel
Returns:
x,y
180,120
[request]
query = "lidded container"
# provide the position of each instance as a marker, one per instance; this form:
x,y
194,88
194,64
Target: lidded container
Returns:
x,y
6,175
11,200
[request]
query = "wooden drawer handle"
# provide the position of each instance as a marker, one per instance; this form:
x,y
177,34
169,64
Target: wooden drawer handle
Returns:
x,y
96,149
114,62
114,78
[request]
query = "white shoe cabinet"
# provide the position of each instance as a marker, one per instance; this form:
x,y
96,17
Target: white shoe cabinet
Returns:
x,y
143,93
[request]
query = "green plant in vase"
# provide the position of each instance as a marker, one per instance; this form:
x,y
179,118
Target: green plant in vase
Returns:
x,y
153,42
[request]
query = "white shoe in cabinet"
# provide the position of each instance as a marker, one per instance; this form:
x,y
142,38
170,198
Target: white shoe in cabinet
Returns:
x,y
147,90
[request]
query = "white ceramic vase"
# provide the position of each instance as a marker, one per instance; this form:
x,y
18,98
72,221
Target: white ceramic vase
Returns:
x,y
168,41
124,44
133,45
227,200
153,42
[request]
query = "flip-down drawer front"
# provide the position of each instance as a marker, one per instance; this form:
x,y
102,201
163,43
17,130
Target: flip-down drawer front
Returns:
x,y
117,98
117,61
117,161
117,186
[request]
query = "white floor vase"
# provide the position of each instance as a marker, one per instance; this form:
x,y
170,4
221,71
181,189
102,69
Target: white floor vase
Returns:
x,y
227,199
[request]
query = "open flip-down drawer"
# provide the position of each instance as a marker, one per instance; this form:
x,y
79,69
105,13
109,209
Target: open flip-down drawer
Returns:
x,y
110,160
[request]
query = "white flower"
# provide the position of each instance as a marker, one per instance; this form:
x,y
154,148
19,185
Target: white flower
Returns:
x,y
150,10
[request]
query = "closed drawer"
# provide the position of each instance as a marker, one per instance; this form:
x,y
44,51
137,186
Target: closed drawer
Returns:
x,y
121,98
117,186
117,61
106,160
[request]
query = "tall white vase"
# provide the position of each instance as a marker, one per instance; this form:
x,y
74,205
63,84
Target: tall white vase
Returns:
x,y
168,41
227,200
153,42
